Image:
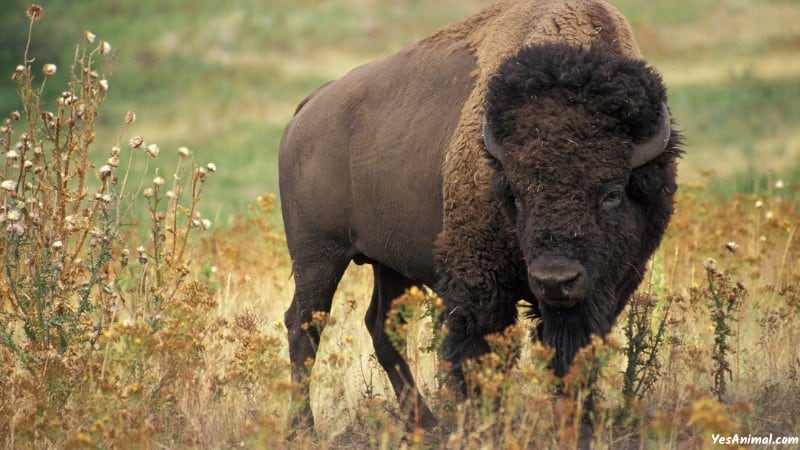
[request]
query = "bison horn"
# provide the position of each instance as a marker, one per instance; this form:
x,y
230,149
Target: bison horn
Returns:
x,y
647,151
491,143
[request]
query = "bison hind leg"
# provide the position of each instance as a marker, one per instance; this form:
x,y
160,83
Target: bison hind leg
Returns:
x,y
316,277
388,285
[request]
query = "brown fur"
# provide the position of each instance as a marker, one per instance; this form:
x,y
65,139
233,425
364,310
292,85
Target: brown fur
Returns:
x,y
493,35
386,166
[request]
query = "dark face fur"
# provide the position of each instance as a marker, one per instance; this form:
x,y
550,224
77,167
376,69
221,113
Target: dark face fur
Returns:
x,y
586,221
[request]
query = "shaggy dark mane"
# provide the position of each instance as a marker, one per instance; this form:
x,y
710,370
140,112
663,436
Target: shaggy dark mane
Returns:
x,y
624,89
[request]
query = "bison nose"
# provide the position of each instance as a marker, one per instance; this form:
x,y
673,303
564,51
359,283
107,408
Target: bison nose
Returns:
x,y
558,281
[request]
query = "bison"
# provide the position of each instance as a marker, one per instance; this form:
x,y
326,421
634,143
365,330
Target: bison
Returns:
x,y
525,153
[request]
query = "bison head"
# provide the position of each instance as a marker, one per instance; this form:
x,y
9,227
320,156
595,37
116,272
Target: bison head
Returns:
x,y
583,155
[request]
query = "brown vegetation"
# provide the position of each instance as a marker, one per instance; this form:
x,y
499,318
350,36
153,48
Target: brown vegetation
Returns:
x,y
103,347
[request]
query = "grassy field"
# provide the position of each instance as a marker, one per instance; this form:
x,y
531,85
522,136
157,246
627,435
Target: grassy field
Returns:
x,y
190,351
227,88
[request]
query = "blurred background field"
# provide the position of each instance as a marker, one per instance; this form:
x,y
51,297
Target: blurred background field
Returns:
x,y
223,79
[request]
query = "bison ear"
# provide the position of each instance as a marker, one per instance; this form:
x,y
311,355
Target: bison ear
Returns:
x,y
492,147
647,151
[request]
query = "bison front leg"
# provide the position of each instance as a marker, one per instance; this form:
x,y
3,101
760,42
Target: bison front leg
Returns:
x,y
470,315
388,286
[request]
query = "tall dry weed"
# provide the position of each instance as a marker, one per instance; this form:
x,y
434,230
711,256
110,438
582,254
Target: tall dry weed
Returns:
x,y
107,337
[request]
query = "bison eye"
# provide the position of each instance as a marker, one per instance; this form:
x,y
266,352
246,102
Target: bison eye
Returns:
x,y
613,197
517,201
516,198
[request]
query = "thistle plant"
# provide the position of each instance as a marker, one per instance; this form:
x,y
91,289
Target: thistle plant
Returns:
x,y
57,219
724,300
414,303
61,214
69,287
644,329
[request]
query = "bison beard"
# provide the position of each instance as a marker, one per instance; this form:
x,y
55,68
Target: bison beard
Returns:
x,y
569,331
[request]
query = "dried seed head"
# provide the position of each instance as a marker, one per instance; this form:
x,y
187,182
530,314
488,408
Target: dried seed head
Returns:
x,y
57,245
158,181
34,12
171,195
113,161
115,151
12,154
149,192
18,73
769,215
211,167
152,150
8,185
710,264
15,116
779,184
142,254
183,152
89,36
105,171
205,224
103,85
136,142
49,70
130,117
14,215
732,247
104,48
759,204
16,228
67,98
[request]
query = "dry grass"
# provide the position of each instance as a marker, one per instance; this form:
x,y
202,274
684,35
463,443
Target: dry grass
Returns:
x,y
754,244
168,348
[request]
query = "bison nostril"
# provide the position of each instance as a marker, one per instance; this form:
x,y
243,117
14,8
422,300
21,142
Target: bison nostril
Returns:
x,y
558,281
568,284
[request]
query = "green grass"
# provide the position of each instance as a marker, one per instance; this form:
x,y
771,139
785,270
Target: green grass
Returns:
x,y
224,79
665,13
744,109
740,129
